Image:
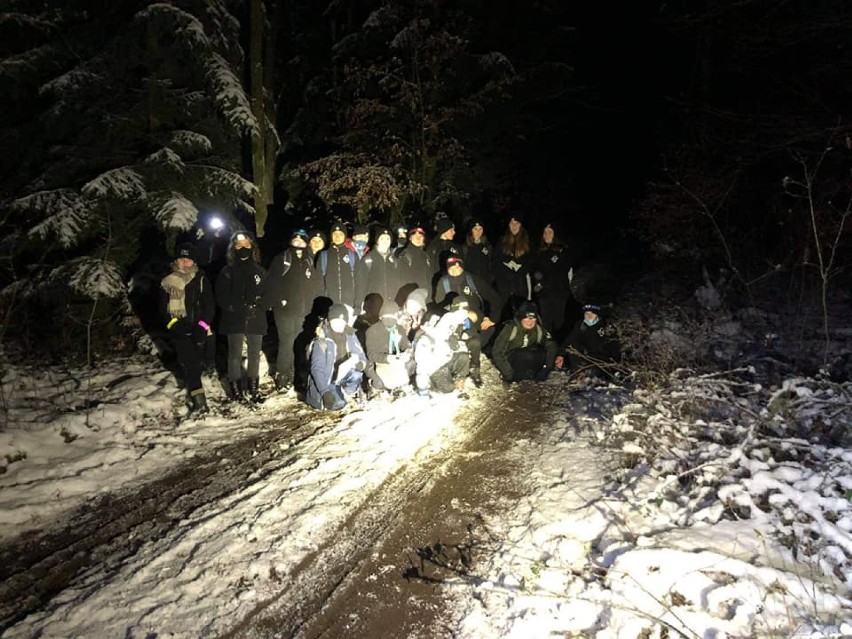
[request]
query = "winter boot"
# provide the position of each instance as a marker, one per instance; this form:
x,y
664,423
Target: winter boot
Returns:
x,y
475,377
198,402
254,395
235,390
282,383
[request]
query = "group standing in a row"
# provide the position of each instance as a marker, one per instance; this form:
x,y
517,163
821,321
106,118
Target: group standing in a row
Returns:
x,y
426,310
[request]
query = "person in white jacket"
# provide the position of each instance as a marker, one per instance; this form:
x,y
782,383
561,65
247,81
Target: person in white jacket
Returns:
x,y
441,356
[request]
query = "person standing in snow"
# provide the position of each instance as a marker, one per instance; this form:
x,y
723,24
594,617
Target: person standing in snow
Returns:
x,y
337,362
477,252
189,306
376,272
441,248
414,263
524,349
292,284
551,277
240,291
337,265
512,267
591,343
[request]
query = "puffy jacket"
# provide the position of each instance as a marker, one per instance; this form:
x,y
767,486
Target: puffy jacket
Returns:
x,y
322,356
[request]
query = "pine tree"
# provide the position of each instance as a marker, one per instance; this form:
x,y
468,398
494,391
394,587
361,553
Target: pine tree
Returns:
x,y
131,117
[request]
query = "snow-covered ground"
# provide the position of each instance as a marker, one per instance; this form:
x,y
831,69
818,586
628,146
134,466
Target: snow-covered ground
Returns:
x,y
708,506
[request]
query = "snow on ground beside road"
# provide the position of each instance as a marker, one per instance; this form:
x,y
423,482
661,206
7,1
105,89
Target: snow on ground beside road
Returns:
x,y
712,507
650,540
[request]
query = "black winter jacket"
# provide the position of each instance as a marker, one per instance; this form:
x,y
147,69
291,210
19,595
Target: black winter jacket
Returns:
x,y
198,300
292,283
376,274
336,265
239,294
415,267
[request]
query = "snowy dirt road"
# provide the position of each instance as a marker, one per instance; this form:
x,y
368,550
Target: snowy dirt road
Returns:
x,y
310,525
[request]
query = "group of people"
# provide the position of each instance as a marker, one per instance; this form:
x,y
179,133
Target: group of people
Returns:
x,y
398,314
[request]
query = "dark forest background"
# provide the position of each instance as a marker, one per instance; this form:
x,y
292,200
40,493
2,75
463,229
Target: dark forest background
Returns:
x,y
700,135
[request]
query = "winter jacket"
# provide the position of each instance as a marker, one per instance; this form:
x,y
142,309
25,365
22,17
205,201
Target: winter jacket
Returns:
x,y
512,276
598,341
514,336
479,260
337,265
376,273
415,266
551,269
200,306
436,343
292,283
382,342
323,357
240,291
439,250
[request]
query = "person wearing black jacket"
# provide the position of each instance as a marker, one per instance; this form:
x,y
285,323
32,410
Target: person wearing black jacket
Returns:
x,y
551,278
188,307
441,247
292,284
376,272
239,294
414,263
336,265
512,267
592,343
477,252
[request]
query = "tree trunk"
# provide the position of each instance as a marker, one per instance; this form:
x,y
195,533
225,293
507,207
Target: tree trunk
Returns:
x,y
263,144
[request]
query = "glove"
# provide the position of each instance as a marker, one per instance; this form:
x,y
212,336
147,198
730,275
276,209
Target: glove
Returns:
x,y
329,400
177,325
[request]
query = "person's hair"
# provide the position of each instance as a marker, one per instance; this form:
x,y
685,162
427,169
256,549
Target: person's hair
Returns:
x,y
231,256
515,245
469,239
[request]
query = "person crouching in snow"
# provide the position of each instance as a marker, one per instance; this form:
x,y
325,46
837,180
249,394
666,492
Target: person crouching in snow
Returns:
x,y
591,343
441,357
524,349
337,362
189,306
389,366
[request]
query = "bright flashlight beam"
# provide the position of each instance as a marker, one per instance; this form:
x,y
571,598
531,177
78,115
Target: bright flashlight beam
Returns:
x,y
216,223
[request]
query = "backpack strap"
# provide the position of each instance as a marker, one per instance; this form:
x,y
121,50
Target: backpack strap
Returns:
x,y
323,262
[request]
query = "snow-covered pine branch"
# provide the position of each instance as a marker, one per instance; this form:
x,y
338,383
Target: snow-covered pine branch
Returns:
x,y
167,158
176,212
230,96
123,183
225,88
65,210
188,143
93,277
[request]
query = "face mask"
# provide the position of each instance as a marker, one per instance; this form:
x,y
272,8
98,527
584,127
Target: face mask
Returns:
x,y
591,322
359,244
467,324
243,253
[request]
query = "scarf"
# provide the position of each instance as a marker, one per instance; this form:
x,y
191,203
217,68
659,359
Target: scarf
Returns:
x,y
174,284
